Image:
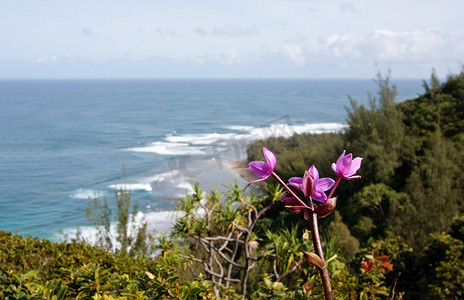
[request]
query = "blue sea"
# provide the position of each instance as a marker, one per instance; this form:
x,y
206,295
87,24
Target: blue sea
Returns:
x,y
64,142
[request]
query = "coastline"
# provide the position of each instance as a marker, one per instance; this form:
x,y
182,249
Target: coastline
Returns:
x,y
163,221
241,168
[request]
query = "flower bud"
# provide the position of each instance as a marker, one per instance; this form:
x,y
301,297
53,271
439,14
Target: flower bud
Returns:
x,y
314,259
308,186
325,209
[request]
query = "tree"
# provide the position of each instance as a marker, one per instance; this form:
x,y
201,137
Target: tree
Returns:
x,y
441,265
434,189
377,134
347,243
130,234
223,233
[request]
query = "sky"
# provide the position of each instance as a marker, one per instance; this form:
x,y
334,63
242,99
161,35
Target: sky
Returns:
x,y
230,39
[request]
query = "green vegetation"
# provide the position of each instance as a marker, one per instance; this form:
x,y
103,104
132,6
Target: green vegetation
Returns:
x,y
131,232
397,233
412,179
38,269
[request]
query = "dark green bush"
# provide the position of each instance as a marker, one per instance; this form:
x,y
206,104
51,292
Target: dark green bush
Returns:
x,y
39,269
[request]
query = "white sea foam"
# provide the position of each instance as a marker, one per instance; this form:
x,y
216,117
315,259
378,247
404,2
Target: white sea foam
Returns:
x,y
186,186
163,177
175,179
85,194
199,144
241,128
197,139
169,148
286,130
132,186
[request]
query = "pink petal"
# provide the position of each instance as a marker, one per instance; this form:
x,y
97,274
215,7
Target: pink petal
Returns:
x,y
320,196
297,180
296,188
257,180
344,164
341,157
260,168
324,184
335,168
355,165
270,157
314,173
352,177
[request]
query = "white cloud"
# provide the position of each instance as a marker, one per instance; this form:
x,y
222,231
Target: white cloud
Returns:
x,y
294,52
166,32
201,31
388,45
46,59
346,7
295,36
229,29
233,30
87,32
60,61
335,55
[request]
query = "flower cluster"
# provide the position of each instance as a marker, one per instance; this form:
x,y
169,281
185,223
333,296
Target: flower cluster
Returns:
x,y
370,262
302,190
299,196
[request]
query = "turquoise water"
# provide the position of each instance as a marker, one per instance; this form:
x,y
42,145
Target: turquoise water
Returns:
x,y
62,142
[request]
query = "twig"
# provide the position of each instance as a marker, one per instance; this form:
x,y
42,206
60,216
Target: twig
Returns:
x,y
393,287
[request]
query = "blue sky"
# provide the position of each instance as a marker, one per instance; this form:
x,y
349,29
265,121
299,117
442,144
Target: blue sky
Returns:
x,y
230,39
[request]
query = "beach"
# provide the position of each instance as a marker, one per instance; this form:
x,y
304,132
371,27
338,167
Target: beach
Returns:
x,y
241,168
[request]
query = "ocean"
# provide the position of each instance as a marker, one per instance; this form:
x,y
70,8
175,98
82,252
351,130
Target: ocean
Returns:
x,y
64,142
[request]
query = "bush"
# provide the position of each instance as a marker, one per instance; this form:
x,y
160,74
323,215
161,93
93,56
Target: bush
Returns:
x,y
34,268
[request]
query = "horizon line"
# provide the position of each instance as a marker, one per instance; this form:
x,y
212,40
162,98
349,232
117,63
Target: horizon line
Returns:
x,y
202,78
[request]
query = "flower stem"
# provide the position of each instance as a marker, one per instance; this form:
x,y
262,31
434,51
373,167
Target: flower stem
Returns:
x,y
334,187
290,191
324,273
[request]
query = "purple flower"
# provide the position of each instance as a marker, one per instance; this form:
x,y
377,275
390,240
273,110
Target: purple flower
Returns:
x,y
263,169
322,185
346,166
308,186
